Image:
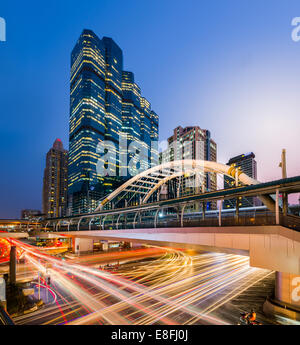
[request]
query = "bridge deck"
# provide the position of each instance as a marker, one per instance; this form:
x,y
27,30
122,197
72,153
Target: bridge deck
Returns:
x,y
289,185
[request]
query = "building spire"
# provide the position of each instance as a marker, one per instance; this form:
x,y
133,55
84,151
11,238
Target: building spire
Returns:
x,y
58,145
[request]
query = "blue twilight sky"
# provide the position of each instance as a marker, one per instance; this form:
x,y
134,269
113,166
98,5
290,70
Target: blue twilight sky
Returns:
x,y
229,66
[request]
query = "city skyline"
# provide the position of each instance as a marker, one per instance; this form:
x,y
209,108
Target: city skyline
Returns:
x,y
254,80
150,172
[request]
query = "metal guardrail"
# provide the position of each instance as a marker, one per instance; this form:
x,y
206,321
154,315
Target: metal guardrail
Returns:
x,y
290,221
244,219
251,190
5,318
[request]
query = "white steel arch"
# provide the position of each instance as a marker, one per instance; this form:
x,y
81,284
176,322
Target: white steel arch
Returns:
x,y
149,181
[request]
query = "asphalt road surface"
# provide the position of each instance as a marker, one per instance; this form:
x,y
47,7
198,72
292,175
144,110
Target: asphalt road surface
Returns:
x,y
147,286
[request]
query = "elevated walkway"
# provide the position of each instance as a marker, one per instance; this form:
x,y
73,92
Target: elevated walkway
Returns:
x,y
271,247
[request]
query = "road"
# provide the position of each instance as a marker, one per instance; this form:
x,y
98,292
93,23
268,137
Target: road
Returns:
x,y
151,286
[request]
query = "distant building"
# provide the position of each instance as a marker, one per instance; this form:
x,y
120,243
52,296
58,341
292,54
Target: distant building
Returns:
x,y
105,105
192,143
294,208
247,164
55,181
29,214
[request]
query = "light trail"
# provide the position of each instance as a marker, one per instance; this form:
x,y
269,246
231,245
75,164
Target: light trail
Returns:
x,y
175,285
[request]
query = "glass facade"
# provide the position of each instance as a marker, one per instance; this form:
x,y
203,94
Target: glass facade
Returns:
x,y
106,108
140,128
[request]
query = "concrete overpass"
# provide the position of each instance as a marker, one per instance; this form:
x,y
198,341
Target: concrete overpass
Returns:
x,y
14,235
271,247
19,224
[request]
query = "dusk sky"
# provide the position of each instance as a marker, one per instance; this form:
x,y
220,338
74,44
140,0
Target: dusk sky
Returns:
x,y
229,66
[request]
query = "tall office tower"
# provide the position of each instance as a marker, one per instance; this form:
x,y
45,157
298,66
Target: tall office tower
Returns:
x,y
55,181
106,107
192,143
140,128
247,164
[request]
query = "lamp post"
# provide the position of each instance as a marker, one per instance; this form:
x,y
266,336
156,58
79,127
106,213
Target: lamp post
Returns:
x,y
282,165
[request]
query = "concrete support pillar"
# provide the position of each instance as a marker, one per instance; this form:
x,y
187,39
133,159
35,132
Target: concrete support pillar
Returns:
x,y
13,265
287,288
287,297
134,245
220,212
104,245
82,245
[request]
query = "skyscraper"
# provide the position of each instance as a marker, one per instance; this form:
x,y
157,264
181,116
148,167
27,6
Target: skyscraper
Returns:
x,y
55,181
247,163
192,143
139,125
106,107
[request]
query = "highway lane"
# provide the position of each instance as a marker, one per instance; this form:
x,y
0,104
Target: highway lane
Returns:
x,y
176,287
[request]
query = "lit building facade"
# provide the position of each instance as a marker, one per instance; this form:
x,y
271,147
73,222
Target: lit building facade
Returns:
x,y
139,127
247,164
30,214
106,109
55,182
192,143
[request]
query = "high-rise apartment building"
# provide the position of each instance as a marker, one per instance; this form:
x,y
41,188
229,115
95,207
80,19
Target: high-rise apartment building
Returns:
x,y
192,143
108,116
247,164
55,181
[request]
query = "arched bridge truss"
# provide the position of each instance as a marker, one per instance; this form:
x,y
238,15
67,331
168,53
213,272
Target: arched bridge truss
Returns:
x,y
144,185
129,203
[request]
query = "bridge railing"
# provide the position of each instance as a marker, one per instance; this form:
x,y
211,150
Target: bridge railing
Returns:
x,y
197,219
290,221
244,219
